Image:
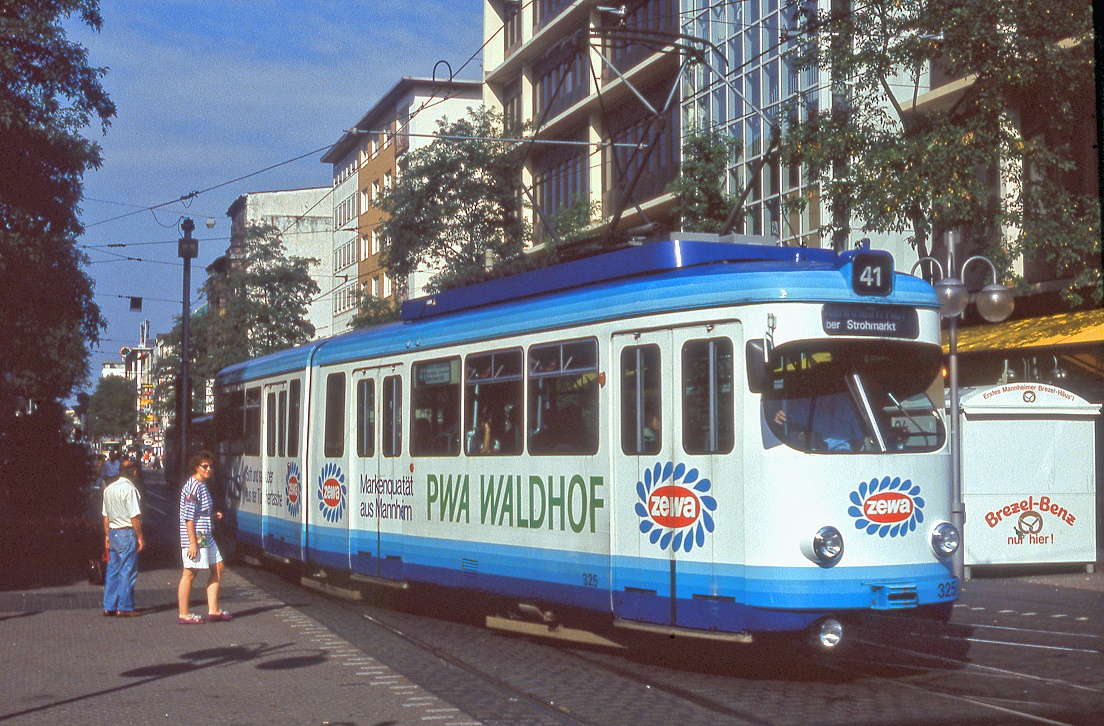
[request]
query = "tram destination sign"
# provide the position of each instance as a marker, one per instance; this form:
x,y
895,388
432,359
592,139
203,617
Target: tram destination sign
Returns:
x,y
894,321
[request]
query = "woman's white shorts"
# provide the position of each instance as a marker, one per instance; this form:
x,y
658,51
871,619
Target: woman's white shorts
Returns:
x,y
205,557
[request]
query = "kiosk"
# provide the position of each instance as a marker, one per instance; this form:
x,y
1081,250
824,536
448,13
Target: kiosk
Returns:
x,y
1028,476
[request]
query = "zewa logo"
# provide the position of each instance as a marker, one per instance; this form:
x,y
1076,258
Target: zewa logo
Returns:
x,y
673,507
293,488
332,494
890,507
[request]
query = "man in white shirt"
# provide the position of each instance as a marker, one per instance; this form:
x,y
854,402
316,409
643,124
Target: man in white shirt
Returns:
x,y
123,538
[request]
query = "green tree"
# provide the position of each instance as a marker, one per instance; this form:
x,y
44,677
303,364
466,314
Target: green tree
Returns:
x,y
701,201
372,310
112,409
48,95
574,222
258,307
456,208
1030,68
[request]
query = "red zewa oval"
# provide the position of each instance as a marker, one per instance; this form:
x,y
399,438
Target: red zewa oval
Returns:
x,y
888,507
331,492
674,507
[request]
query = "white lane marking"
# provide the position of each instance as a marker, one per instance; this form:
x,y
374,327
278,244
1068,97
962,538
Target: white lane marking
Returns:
x,y
1028,615
1060,615
1022,645
991,669
1041,632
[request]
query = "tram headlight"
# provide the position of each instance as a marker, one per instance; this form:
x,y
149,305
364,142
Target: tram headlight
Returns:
x,y
945,539
827,546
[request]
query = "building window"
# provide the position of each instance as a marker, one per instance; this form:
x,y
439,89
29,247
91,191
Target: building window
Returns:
x,y
561,178
545,11
511,25
562,78
511,108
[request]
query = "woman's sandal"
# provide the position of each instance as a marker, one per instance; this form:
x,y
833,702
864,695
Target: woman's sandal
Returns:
x,y
220,615
190,619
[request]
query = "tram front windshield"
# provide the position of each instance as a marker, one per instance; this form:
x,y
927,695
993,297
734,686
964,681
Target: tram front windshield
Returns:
x,y
843,397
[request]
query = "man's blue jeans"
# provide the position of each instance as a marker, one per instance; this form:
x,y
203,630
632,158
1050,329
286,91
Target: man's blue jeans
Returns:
x,y
122,571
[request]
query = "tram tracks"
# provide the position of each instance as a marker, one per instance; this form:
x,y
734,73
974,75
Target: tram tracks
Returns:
x,y
945,673
1053,694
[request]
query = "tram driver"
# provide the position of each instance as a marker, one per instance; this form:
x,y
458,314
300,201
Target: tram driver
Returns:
x,y
828,422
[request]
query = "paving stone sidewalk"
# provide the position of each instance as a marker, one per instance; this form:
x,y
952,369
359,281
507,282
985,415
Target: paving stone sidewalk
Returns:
x,y
64,662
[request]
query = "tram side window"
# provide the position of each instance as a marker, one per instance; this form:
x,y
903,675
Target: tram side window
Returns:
x,y
708,415
253,422
270,424
563,398
435,408
281,425
392,416
230,421
334,436
493,403
640,400
366,417
293,418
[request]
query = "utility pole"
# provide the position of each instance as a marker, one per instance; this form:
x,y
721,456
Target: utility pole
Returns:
x,y
188,249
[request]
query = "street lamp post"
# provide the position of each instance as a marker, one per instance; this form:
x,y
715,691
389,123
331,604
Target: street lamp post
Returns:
x,y
188,249
994,302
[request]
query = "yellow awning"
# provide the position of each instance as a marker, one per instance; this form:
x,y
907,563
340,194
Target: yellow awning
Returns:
x,y
1083,327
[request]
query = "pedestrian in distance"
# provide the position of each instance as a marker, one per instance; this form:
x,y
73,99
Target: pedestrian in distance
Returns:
x,y
197,542
111,467
122,523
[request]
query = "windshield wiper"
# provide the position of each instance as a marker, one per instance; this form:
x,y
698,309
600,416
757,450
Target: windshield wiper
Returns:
x,y
858,392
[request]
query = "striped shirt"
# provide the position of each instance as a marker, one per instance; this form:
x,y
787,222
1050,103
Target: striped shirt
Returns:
x,y
196,506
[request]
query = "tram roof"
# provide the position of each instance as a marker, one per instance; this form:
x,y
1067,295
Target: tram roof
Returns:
x,y
653,278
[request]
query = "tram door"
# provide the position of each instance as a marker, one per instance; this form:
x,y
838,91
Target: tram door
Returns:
x,y
674,447
644,562
274,513
377,494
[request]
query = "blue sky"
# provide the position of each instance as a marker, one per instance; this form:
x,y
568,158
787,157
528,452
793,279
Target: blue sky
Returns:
x,y
210,92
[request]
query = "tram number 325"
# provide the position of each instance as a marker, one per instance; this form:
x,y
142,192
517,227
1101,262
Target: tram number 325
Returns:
x,y
590,579
947,589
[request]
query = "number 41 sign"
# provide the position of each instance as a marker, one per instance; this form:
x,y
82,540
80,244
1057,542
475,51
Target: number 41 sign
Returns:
x,y
872,272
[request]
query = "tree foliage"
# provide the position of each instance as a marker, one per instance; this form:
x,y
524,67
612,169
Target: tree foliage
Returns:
x,y
456,207
701,201
372,310
112,408
1030,88
258,307
48,95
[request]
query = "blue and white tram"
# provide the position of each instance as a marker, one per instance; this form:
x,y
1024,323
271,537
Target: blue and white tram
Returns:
x,y
686,436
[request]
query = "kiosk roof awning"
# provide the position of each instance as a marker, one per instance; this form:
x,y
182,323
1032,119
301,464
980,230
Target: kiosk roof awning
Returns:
x,y
1067,329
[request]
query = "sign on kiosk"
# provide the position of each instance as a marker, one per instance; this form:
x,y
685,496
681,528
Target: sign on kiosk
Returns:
x,y
1028,475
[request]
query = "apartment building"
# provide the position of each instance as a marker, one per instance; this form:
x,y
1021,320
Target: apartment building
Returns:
x,y
367,160
597,84
302,217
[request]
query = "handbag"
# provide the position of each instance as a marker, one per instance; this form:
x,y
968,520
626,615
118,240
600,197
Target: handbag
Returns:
x,y
96,568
